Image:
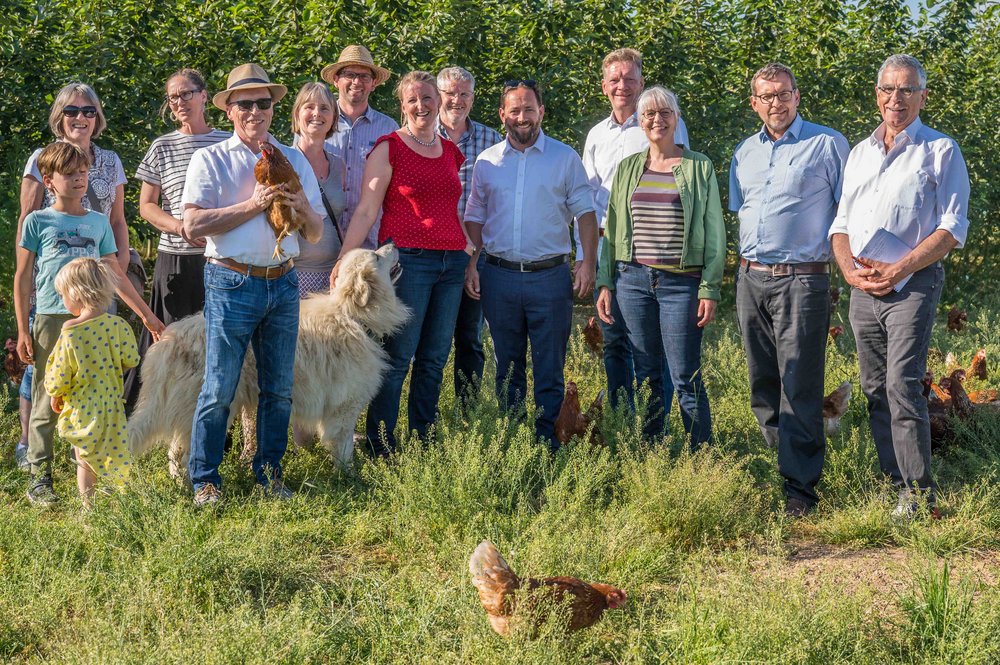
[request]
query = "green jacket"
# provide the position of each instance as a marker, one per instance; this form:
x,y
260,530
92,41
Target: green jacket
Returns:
x,y
704,229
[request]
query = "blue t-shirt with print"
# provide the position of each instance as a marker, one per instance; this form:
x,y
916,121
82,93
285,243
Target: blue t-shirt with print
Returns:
x,y
57,238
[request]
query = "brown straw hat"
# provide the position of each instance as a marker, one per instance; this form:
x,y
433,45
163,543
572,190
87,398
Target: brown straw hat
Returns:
x,y
246,77
355,55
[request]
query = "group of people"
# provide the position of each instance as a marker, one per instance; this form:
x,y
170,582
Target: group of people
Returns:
x,y
485,229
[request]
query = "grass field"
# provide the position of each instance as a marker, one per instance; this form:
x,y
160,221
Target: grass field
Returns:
x,y
371,565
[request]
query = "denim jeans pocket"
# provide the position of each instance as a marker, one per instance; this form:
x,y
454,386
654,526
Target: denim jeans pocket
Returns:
x,y
292,277
224,279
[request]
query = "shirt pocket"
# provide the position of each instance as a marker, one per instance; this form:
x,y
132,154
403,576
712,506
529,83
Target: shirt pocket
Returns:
x,y
908,190
801,181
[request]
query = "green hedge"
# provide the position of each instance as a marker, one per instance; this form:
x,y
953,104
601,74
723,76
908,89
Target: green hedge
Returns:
x,y
705,50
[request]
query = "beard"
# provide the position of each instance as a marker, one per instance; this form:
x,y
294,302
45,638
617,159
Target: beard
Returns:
x,y
524,134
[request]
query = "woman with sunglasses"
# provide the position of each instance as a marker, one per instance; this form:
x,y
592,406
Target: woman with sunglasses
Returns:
x,y
412,176
178,288
76,117
662,258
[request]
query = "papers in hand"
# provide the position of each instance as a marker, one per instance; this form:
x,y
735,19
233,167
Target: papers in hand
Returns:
x,y
884,246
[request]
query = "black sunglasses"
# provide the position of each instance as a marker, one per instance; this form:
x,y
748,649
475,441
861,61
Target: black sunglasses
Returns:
x,y
73,111
247,104
517,83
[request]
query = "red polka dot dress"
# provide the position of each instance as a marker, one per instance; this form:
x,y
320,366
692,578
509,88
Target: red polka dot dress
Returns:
x,y
85,369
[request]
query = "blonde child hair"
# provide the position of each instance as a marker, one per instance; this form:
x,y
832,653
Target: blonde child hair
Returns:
x,y
90,282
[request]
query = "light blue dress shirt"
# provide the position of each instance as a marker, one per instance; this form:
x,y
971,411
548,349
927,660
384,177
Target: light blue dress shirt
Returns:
x,y
786,192
525,201
352,143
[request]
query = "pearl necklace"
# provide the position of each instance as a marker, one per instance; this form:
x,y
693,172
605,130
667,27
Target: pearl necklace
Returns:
x,y
419,142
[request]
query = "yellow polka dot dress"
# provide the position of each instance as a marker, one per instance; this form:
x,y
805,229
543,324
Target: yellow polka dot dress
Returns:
x,y
85,369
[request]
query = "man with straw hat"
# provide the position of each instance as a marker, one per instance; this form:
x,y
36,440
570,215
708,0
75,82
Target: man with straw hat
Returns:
x,y
355,75
251,293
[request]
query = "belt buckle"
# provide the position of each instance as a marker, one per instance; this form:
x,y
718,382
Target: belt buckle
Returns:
x,y
520,265
267,271
781,270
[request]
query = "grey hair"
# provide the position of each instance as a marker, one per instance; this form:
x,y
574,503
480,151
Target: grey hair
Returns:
x,y
770,72
449,74
65,94
660,97
903,61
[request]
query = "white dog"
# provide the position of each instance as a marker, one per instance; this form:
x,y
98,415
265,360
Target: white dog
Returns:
x,y
339,364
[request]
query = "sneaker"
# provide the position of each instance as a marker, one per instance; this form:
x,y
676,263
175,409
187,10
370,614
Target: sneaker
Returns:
x,y
277,490
40,493
907,510
797,508
21,457
207,495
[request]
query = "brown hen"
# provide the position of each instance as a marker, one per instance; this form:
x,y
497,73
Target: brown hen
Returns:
x,y
594,336
12,363
834,407
273,168
957,319
571,421
497,585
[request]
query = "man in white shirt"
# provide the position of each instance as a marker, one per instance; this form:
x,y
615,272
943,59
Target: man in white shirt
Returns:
x,y
608,143
525,193
355,75
907,183
251,291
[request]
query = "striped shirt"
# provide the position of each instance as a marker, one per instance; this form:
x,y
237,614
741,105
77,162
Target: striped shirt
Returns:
x,y
476,138
658,222
165,166
352,143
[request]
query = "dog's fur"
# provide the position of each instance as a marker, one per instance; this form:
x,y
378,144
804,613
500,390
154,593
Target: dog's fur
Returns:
x,y
339,365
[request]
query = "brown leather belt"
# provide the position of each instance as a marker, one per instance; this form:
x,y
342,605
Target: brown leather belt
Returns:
x,y
779,269
267,272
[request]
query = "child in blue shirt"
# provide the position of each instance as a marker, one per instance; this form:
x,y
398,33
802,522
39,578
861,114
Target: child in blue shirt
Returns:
x,y
51,238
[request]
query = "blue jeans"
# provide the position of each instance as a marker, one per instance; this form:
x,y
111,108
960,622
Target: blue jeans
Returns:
x,y
431,286
535,306
240,311
469,359
661,313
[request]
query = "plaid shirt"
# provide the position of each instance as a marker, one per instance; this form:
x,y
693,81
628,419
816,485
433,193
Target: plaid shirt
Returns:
x,y
477,137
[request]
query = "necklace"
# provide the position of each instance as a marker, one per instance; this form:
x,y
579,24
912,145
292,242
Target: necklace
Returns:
x,y
426,144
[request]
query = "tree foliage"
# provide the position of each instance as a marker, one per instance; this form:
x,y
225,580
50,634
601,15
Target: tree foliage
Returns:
x,y
706,50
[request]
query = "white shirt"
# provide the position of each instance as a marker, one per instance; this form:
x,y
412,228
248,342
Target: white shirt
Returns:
x,y
608,143
919,186
525,201
221,175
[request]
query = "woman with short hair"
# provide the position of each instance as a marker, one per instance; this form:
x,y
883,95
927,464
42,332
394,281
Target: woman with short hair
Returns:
x,y
314,119
662,258
412,176
178,288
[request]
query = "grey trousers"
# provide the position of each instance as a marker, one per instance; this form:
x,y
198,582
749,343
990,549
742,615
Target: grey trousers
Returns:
x,y
893,334
42,423
784,322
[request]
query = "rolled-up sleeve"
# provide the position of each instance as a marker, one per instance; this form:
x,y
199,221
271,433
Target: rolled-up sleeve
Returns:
x,y
475,209
580,196
201,184
953,194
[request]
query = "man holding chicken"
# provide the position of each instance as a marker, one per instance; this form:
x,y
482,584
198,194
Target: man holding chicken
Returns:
x,y
251,289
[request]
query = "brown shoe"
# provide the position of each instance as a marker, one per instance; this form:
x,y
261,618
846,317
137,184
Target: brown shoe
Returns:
x,y
207,495
796,508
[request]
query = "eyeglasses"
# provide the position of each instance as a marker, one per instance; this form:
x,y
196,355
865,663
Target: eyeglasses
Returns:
x,y
783,96
364,77
183,96
74,111
262,104
517,83
905,93
665,114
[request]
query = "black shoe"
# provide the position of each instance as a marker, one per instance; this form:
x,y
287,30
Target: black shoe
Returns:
x,y
40,493
797,508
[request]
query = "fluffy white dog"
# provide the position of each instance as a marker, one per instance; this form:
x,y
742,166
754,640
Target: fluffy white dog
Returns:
x,y
339,364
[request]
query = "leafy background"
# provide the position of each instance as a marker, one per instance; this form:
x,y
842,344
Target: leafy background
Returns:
x,y
705,50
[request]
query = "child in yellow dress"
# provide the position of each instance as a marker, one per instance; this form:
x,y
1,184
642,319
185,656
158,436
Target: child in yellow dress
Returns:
x,y
83,375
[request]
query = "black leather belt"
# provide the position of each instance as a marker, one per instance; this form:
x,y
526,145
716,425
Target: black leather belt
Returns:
x,y
779,269
267,272
527,266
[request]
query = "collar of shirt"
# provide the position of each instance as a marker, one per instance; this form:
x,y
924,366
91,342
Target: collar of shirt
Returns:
x,y
538,145
877,138
234,142
794,131
470,130
631,121
367,115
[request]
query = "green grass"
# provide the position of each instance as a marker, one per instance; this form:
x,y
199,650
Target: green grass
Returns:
x,y
370,565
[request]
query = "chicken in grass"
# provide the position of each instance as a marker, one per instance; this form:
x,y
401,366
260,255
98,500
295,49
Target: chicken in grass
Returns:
x,y
946,401
571,421
834,407
835,332
498,585
978,367
273,168
594,337
957,319
12,363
